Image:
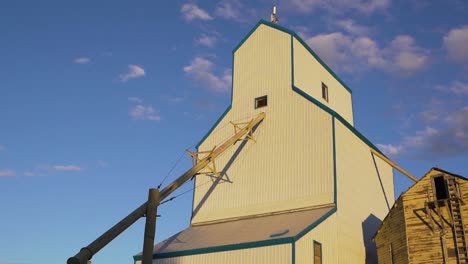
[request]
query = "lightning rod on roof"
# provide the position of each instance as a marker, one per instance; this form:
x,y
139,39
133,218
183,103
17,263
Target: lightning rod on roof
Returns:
x,y
274,18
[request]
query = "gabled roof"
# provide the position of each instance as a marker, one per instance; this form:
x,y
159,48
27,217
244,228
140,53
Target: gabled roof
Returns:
x,y
295,35
403,193
245,233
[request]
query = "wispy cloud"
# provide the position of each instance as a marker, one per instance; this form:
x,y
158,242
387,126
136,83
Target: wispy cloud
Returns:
x,y
456,43
2,147
351,53
390,150
206,40
135,99
235,10
352,27
133,72
29,173
139,111
442,136
102,163
191,11
456,87
7,172
66,167
337,6
82,60
201,70
173,99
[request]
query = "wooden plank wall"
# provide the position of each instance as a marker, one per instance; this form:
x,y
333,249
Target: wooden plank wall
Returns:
x,y
427,241
391,239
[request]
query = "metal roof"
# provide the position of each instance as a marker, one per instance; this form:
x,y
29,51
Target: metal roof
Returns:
x,y
244,231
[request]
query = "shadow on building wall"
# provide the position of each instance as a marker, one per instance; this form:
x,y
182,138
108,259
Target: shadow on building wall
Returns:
x,y
369,227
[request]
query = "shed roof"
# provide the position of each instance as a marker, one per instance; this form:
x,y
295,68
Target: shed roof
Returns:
x,y
244,233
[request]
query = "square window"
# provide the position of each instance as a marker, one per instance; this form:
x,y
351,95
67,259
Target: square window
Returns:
x,y
325,92
317,253
261,101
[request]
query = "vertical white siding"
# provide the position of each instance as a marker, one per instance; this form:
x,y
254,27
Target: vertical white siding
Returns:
x,y
291,164
278,254
326,234
309,75
361,200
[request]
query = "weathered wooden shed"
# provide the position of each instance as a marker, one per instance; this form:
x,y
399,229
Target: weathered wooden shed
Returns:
x,y
307,189
427,222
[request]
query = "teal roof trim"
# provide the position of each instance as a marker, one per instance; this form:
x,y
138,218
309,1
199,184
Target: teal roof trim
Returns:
x,y
337,116
292,33
335,199
263,243
214,126
314,224
293,252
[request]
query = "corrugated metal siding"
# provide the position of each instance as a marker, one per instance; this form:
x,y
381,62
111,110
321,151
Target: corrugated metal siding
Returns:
x,y
291,165
326,234
361,200
269,255
309,75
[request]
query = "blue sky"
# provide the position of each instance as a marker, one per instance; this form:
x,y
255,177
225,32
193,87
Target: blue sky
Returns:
x,y
98,100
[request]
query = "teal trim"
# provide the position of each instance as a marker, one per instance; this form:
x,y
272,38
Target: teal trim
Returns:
x,y
293,34
197,251
213,127
314,224
292,61
335,199
323,63
262,243
293,252
338,116
313,100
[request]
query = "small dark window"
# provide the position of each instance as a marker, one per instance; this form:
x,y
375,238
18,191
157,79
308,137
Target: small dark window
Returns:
x,y
261,101
325,92
441,191
317,253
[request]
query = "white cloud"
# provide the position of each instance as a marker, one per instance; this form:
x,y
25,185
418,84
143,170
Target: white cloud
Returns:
x,y
174,99
201,70
66,167
102,163
29,173
236,10
351,27
191,11
7,172
407,55
135,99
82,60
352,53
139,111
337,6
456,43
390,150
207,41
455,87
448,137
142,112
2,147
134,71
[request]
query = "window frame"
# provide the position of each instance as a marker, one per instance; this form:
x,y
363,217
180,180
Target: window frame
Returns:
x,y
259,99
316,243
325,92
